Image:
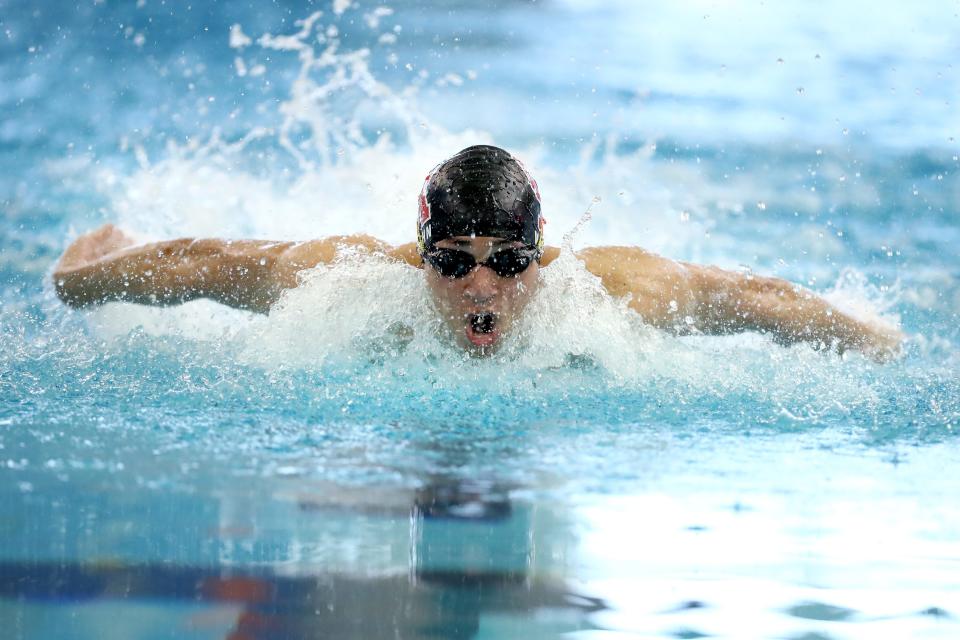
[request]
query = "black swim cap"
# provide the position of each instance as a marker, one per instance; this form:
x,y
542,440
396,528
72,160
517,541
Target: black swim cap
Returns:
x,y
481,191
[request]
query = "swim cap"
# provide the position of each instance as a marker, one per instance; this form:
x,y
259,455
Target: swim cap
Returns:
x,y
481,191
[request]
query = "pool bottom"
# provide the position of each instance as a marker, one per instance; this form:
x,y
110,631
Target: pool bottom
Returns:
x,y
236,604
74,601
791,536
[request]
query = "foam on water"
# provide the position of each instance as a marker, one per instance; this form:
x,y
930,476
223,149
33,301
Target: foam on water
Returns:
x,y
369,323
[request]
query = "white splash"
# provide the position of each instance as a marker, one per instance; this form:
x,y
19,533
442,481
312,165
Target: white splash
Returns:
x,y
238,39
355,309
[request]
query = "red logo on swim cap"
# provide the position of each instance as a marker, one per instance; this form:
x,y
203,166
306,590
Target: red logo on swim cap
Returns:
x,y
536,189
424,205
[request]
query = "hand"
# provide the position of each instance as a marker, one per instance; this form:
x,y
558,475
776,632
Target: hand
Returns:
x,y
93,246
883,344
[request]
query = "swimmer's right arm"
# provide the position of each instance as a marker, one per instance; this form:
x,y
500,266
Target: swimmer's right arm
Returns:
x,y
104,265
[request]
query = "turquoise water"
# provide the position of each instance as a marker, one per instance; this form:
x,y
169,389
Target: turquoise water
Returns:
x,y
199,472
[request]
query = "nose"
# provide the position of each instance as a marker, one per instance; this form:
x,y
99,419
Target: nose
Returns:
x,y
481,286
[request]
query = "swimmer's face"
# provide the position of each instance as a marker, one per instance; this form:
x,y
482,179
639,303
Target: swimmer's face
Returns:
x,y
481,306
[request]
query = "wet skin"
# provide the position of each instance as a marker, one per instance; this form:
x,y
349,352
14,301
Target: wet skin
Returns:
x,y
481,291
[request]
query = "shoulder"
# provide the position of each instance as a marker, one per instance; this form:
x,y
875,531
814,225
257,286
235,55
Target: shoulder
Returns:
x,y
657,288
608,262
620,257
406,253
630,269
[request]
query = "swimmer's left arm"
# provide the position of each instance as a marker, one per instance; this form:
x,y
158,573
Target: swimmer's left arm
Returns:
x,y
729,302
683,297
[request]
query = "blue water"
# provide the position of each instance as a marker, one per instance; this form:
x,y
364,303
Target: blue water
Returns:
x,y
199,472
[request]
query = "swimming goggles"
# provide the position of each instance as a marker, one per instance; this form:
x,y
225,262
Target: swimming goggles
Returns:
x,y
506,263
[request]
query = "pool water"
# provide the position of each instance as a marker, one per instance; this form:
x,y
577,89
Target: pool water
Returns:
x,y
337,469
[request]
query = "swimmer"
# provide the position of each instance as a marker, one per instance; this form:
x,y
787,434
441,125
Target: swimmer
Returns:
x,y
480,246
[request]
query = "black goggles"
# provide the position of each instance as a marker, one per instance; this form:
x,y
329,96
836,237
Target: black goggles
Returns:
x,y
506,263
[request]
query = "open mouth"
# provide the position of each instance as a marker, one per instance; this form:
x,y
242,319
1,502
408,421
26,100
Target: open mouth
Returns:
x,y
482,329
